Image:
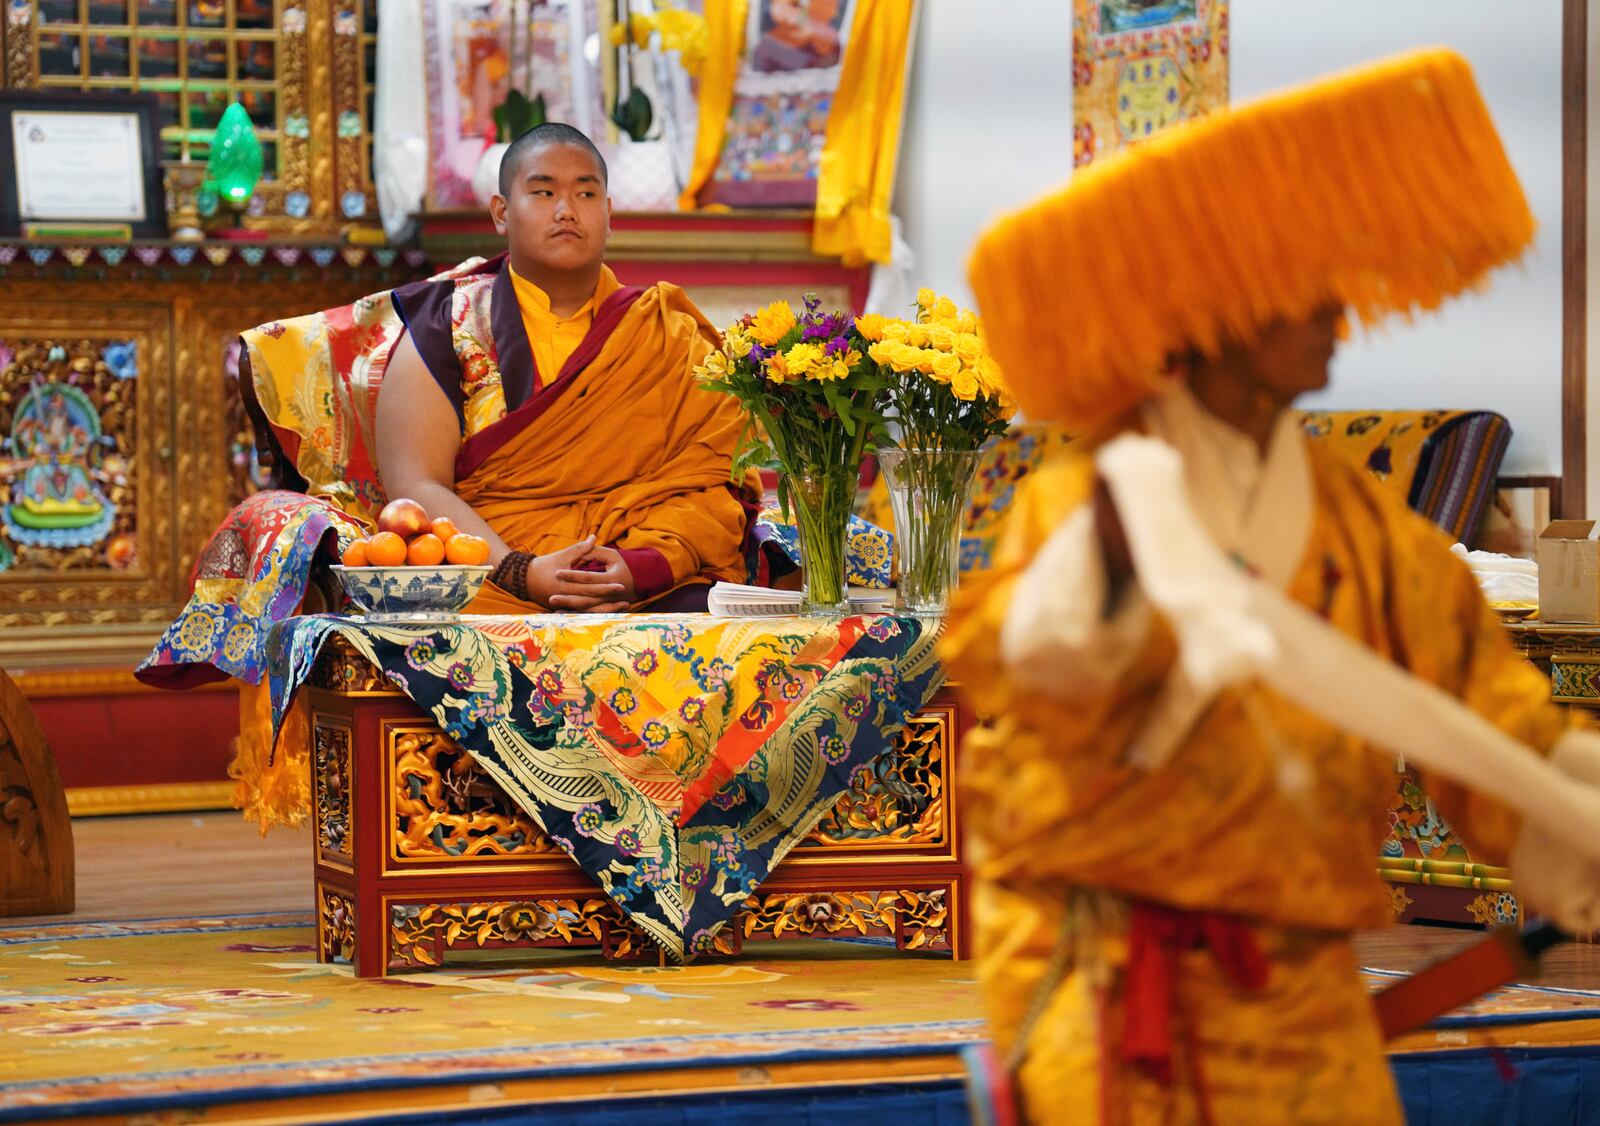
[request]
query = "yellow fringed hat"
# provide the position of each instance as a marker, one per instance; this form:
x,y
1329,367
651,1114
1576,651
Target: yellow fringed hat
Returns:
x,y
1385,188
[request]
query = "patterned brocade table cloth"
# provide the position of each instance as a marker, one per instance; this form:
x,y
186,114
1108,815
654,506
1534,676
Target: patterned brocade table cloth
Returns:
x,y
676,757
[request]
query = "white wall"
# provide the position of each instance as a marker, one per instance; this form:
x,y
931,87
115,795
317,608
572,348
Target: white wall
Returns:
x,y
989,126
1502,349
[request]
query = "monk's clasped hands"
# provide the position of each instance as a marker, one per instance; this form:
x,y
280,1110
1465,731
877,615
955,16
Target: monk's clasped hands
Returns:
x,y
582,578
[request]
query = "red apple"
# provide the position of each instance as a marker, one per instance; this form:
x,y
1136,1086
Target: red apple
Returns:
x,y
404,517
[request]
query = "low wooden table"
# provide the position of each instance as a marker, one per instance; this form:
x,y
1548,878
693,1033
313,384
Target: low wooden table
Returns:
x,y
419,853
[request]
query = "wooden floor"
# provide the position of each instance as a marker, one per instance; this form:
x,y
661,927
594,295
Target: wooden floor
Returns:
x,y
216,863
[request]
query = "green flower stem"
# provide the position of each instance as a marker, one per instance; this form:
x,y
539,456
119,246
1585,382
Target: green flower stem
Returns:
x,y
929,490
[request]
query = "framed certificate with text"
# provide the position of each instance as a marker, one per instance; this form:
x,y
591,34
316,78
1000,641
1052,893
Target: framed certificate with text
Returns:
x,y
80,164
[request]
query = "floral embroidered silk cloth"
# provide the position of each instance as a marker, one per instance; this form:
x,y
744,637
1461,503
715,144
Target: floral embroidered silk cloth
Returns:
x,y
252,574
677,757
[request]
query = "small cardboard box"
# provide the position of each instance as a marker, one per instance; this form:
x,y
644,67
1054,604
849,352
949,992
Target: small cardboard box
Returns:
x,y
1569,572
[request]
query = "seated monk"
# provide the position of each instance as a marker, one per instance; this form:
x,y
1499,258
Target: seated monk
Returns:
x,y
554,412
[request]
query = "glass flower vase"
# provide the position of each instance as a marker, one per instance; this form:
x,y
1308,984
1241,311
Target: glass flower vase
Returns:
x,y
821,500
928,491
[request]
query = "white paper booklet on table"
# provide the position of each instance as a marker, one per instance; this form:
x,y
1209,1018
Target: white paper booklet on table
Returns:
x,y
735,600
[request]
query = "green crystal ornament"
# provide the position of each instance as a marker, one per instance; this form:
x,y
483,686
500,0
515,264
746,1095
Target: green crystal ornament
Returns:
x,y
235,163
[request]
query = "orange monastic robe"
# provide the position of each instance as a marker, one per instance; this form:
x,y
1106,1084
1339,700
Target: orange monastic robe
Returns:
x,y
621,443
1062,827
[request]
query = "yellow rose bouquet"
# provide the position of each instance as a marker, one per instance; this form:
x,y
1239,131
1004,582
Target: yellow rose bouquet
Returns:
x,y
943,397
814,403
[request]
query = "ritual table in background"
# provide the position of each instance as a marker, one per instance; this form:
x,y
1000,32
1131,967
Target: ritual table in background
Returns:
x,y
628,783
1432,872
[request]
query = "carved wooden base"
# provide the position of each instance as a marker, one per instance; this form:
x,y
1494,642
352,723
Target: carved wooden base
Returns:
x,y
36,864
420,854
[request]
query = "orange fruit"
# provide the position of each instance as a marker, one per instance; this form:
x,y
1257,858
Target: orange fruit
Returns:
x,y
385,549
444,528
427,550
467,551
355,555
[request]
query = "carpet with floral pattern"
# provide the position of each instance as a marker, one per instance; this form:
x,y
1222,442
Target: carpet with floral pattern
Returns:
x,y
210,1013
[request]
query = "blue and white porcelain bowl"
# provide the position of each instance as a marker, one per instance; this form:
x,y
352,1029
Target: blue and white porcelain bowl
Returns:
x,y
412,591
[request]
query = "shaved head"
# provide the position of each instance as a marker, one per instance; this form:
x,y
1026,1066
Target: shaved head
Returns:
x,y
543,136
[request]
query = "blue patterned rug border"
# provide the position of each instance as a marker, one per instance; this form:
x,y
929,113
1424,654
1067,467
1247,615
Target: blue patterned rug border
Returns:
x,y
752,1055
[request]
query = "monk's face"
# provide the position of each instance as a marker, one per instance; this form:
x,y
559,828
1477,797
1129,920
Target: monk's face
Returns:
x,y
558,215
1291,358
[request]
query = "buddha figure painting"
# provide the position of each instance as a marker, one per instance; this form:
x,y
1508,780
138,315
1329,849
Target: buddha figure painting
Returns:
x,y
55,444
798,35
772,146
1139,15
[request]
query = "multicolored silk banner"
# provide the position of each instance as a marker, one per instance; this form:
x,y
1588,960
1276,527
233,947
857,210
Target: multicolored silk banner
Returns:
x,y
676,757
1139,66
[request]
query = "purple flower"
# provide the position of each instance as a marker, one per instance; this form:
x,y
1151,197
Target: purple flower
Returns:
x,y
655,734
696,875
856,707
587,819
692,708
757,715
644,663
420,652
627,842
835,749
460,676
550,682
883,629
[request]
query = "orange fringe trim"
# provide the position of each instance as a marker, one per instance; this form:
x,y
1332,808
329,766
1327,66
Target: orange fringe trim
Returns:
x,y
1386,188
271,789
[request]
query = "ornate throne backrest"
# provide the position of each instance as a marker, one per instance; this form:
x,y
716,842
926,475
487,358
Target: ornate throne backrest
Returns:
x,y
310,387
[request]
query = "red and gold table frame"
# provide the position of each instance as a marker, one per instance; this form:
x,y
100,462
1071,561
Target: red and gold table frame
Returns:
x,y
419,853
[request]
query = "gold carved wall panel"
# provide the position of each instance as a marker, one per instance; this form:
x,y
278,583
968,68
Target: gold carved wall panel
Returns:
x,y
132,444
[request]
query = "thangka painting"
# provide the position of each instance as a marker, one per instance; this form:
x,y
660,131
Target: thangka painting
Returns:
x,y
476,52
793,56
67,471
1139,66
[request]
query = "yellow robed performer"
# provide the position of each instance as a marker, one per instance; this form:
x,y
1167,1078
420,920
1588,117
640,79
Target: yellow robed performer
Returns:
x,y
1168,940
